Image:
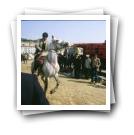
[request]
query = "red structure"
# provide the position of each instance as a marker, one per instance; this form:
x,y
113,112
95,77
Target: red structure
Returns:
x,y
92,48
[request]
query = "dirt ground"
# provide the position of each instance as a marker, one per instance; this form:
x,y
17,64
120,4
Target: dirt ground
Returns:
x,y
72,91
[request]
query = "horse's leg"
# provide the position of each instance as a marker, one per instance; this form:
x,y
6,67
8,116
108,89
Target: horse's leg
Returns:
x,y
57,85
32,67
38,70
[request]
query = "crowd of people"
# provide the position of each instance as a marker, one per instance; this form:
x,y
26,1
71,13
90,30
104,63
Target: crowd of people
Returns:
x,y
80,65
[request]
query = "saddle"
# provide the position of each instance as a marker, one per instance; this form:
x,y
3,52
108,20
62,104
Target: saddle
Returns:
x,y
40,60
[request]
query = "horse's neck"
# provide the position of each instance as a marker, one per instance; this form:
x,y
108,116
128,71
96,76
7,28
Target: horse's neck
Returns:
x,y
52,56
52,46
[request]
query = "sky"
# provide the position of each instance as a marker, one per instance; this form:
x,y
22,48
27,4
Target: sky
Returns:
x,y
70,31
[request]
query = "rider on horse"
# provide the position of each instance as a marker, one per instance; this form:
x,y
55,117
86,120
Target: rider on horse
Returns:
x,y
41,50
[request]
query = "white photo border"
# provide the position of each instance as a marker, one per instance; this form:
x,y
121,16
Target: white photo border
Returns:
x,y
63,17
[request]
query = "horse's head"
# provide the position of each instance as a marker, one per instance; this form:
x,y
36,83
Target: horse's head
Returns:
x,y
59,44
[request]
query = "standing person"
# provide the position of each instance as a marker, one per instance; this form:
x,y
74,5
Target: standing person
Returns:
x,y
59,61
83,58
102,63
25,58
62,62
77,66
21,56
71,62
87,66
41,49
90,68
95,68
92,57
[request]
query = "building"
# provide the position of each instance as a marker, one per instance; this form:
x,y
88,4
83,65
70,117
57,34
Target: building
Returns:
x,y
27,47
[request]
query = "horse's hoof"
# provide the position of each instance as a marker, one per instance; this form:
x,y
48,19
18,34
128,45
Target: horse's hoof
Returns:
x,y
52,91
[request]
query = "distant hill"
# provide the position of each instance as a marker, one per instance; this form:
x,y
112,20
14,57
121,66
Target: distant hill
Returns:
x,y
28,40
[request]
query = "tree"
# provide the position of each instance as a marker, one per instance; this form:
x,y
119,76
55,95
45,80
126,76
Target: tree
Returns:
x,y
105,42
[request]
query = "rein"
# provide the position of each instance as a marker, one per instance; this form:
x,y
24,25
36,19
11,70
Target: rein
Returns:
x,y
53,50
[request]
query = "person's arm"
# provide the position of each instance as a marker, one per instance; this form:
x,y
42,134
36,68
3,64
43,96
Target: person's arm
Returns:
x,y
37,46
85,62
99,62
89,63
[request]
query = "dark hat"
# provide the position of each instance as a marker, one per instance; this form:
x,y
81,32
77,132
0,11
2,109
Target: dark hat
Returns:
x,y
45,34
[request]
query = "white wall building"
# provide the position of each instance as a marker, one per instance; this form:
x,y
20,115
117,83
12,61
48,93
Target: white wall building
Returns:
x,y
28,48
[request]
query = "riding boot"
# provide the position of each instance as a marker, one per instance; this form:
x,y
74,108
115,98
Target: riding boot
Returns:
x,y
35,68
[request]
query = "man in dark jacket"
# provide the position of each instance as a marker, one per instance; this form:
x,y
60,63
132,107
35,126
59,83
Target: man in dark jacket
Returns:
x,y
31,91
77,66
42,47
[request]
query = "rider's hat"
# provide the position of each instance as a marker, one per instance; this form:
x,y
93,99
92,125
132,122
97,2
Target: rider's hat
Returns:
x,y
45,34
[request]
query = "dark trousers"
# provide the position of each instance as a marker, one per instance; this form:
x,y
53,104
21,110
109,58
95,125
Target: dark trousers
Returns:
x,y
25,61
35,62
83,69
77,73
94,74
87,73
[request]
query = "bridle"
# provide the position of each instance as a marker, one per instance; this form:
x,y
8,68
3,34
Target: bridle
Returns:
x,y
54,49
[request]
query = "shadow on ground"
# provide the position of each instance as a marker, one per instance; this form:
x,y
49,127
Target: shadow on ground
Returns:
x,y
78,81
98,86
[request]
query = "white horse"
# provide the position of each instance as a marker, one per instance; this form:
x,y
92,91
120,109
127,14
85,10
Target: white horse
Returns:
x,y
50,67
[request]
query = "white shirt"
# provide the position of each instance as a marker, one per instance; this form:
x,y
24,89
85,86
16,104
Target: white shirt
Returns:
x,y
88,63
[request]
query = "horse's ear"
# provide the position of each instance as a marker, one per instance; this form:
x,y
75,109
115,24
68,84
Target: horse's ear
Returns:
x,y
52,37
